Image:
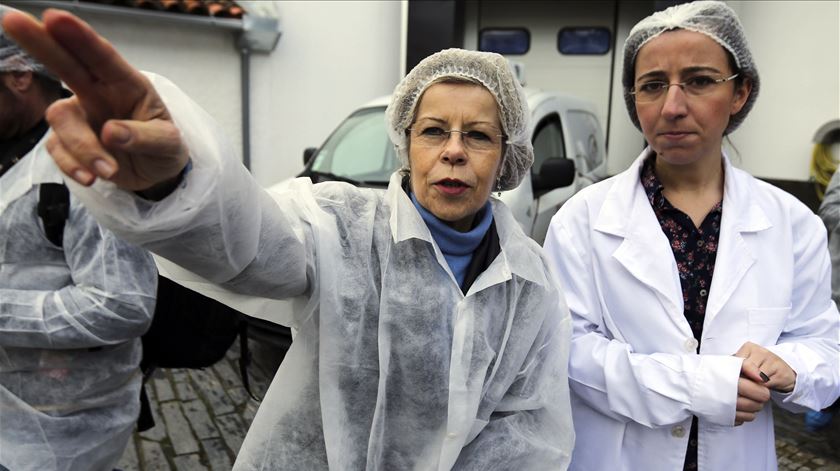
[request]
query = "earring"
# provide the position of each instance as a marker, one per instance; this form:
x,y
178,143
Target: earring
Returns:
x,y
499,186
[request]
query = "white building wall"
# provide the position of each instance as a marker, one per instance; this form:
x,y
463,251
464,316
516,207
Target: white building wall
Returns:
x,y
332,57
796,47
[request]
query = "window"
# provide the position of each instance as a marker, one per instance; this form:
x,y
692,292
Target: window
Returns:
x,y
583,41
506,41
548,142
359,149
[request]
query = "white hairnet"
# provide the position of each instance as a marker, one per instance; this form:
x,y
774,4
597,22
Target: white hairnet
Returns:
x,y
13,58
714,19
491,70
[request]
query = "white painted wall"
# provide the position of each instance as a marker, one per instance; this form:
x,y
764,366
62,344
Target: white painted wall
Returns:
x,y
332,57
796,47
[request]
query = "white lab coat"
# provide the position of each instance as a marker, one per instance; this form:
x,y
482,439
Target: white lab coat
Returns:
x,y
393,367
635,377
70,324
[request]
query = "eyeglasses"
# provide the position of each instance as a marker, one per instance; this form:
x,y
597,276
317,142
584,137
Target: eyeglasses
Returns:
x,y
698,85
433,137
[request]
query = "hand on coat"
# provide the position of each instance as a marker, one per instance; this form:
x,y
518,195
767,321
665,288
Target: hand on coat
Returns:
x,y
782,378
116,126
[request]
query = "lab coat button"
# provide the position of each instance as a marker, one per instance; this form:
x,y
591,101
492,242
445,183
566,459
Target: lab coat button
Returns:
x,y
703,292
691,345
678,431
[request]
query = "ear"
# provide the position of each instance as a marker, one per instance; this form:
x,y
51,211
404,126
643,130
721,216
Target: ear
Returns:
x,y
742,94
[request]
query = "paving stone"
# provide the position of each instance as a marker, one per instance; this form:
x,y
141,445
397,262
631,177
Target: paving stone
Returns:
x,y
230,378
250,411
178,429
233,431
152,457
128,461
238,395
163,389
217,453
200,420
212,390
183,386
233,352
158,432
189,463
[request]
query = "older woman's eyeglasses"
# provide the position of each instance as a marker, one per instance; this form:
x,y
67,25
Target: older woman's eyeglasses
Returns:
x,y
699,85
435,137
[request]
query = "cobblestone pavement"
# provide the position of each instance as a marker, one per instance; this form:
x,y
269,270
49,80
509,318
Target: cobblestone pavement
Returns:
x,y
201,418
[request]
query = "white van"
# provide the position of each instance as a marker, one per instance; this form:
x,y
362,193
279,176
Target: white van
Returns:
x,y
568,143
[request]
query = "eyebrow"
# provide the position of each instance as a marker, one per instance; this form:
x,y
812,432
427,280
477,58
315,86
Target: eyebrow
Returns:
x,y
442,121
687,70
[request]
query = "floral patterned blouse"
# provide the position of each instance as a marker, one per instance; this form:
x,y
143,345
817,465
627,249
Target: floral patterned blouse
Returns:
x,y
694,250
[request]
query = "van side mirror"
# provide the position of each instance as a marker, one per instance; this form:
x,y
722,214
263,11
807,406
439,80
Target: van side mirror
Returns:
x,y
308,153
555,172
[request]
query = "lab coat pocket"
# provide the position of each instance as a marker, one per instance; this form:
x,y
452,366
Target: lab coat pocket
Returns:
x,y
766,324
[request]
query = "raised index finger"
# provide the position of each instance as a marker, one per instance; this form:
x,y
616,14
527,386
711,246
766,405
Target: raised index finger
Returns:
x,y
72,50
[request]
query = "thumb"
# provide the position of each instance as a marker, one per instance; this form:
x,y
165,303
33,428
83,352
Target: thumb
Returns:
x,y
156,137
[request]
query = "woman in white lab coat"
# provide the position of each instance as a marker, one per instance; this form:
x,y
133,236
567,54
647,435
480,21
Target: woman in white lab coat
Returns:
x,y
697,292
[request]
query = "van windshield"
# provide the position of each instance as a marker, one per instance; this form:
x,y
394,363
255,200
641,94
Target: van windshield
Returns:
x,y
359,150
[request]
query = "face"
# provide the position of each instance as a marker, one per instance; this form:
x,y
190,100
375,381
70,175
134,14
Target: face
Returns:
x,y
680,127
452,181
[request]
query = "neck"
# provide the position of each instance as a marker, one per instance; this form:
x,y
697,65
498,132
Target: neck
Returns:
x,y
702,176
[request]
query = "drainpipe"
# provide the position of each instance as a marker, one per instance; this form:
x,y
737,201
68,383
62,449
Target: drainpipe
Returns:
x,y
253,34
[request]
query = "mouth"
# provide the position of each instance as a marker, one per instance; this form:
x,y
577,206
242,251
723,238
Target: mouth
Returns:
x,y
675,134
451,186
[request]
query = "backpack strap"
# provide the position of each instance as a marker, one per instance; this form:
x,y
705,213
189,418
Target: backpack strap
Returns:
x,y
54,209
245,358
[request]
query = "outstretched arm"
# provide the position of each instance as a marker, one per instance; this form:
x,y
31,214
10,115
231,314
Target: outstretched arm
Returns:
x,y
116,127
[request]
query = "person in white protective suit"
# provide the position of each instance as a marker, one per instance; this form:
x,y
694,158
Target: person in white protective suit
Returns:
x,y
434,336
697,292
71,314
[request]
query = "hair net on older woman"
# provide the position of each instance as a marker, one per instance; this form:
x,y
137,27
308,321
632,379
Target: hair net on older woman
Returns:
x,y
714,19
491,70
12,57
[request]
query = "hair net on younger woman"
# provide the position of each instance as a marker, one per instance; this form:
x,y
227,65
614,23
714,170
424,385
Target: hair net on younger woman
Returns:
x,y
12,57
492,71
714,19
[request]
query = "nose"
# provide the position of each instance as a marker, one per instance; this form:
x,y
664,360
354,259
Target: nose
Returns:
x,y
674,105
453,151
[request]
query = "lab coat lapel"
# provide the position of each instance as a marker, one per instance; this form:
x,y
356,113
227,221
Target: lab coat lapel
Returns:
x,y
741,217
645,251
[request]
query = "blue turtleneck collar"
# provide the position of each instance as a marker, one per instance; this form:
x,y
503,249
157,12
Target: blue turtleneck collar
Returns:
x,y
457,247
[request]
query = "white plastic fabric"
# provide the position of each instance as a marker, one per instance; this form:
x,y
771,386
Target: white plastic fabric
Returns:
x,y
636,377
712,18
69,326
393,367
13,58
495,73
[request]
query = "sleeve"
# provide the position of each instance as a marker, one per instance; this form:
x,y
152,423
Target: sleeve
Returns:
x,y
810,341
655,390
219,223
531,427
110,296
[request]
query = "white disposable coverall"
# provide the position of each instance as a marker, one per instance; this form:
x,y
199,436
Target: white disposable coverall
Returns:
x,y
70,321
393,367
635,375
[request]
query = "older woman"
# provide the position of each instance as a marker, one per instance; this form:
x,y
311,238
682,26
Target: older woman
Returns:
x,y
697,292
433,336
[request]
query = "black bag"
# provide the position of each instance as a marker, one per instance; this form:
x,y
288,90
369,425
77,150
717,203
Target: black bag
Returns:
x,y
189,330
